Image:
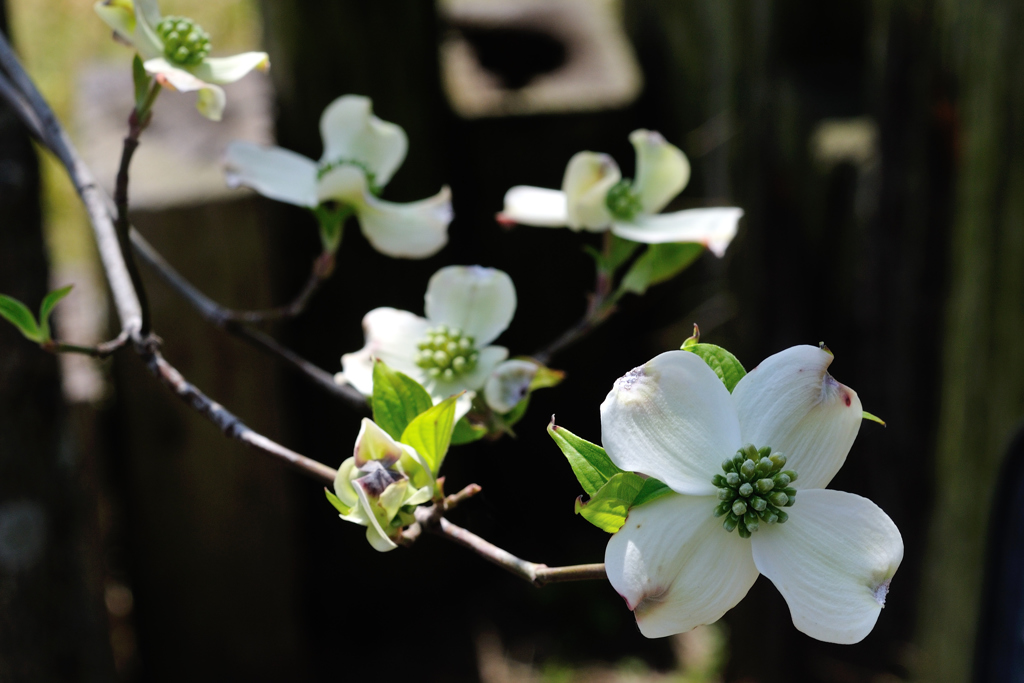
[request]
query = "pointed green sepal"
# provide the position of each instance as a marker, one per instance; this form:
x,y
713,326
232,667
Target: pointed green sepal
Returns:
x,y
659,263
18,314
397,399
430,433
336,502
590,463
142,81
693,340
607,509
725,365
332,219
873,418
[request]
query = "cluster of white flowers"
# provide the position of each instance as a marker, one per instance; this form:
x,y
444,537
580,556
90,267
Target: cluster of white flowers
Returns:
x,y
675,560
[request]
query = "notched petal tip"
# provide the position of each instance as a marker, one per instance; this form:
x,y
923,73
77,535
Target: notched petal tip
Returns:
x,y
881,591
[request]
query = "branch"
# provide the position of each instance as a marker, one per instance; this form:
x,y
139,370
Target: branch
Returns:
x,y
323,266
217,316
227,422
37,115
98,351
537,574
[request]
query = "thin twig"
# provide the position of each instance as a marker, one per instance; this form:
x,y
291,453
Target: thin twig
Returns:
x,y
600,306
228,423
537,574
96,351
322,268
214,314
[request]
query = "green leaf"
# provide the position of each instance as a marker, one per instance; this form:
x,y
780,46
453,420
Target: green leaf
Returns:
x,y
142,83
725,365
621,250
652,490
516,414
336,502
589,462
607,509
467,432
45,308
431,433
397,399
659,263
17,313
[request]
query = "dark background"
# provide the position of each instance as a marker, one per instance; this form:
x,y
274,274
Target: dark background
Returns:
x,y
910,267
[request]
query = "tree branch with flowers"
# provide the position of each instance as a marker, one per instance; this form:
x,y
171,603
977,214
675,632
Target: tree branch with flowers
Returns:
x,y
708,475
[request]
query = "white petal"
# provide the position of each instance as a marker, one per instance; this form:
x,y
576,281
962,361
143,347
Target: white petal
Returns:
x,y
490,358
391,336
832,561
714,228
223,70
790,402
373,443
662,170
588,177
273,172
675,565
410,230
671,419
536,206
149,10
145,39
374,533
509,384
479,301
351,131
211,99
119,15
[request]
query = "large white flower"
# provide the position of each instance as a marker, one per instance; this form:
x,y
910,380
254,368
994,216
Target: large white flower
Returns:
x,y
175,50
361,153
595,197
831,557
449,351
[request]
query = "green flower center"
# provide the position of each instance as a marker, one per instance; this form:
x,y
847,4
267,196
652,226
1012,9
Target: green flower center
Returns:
x,y
371,179
185,41
753,488
446,353
622,201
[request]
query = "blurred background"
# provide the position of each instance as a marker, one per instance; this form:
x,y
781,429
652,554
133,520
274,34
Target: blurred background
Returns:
x,y
877,148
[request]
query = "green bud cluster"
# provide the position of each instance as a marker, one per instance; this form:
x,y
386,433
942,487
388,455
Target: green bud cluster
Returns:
x,y
446,353
753,488
622,201
371,179
185,41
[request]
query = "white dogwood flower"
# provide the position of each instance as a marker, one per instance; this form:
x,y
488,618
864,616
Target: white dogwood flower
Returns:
x,y
595,197
831,556
361,153
175,50
449,350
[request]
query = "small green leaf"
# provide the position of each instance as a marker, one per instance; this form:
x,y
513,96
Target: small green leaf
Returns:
x,y
467,432
725,365
431,433
397,399
652,490
336,502
332,219
873,418
607,509
589,462
142,83
659,263
45,308
516,414
21,317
